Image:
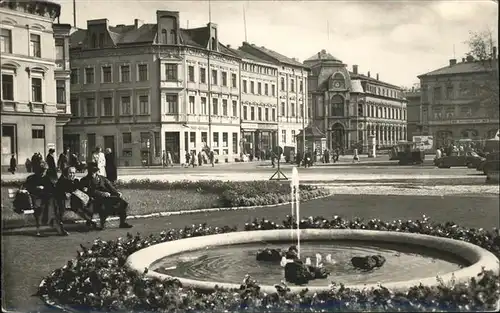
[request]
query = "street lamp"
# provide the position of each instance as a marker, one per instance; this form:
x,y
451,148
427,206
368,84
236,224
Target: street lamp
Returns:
x,y
148,145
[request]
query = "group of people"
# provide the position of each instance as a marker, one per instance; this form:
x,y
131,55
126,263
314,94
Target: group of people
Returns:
x,y
198,159
50,196
457,150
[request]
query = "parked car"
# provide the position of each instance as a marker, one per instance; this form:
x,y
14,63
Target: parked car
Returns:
x,y
469,159
492,166
481,167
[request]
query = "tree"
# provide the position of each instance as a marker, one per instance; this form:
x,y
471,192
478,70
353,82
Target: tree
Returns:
x,y
482,48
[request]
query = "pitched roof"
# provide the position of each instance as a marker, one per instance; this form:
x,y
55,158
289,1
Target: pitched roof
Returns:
x,y
371,79
275,55
356,86
312,131
245,55
323,55
463,68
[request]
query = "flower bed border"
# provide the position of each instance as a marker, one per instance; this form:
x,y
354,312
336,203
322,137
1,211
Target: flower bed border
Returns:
x,y
481,293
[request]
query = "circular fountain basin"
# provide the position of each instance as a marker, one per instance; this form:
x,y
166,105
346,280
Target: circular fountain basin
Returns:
x,y
223,260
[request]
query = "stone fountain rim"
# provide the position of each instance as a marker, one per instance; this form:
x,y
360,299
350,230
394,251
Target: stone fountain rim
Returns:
x,y
478,257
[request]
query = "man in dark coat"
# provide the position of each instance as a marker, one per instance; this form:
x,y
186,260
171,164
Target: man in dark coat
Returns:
x,y
51,164
13,164
41,190
63,160
106,199
111,171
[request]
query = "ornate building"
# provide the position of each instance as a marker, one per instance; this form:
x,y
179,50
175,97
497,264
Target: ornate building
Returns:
x,y
291,91
414,114
259,102
35,78
460,100
144,88
350,107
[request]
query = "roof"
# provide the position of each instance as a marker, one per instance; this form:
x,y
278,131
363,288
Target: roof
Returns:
x,y
372,80
312,131
245,55
462,68
323,55
275,55
356,86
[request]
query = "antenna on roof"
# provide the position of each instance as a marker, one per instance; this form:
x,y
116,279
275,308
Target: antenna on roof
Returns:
x,y
209,11
454,51
245,22
74,13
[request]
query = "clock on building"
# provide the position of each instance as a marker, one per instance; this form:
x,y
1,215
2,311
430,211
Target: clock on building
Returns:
x,y
336,84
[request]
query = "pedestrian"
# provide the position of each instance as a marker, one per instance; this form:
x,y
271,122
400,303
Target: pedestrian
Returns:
x,y
13,164
438,154
169,159
200,158
100,159
355,157
63,160
28,165
111,171
164,159
188,158
211,157
51,164
193,158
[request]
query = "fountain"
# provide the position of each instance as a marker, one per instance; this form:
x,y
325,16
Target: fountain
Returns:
x,y
220,261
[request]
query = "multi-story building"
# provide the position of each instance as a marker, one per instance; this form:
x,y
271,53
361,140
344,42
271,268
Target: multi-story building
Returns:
x,y
414,114
143,88
460,101
35,78
291,91
259,102
349,107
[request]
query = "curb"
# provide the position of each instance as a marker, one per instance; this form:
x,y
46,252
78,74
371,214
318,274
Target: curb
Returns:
x,y
174,213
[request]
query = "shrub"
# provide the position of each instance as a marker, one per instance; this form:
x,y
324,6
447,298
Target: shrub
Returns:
x,y
98,280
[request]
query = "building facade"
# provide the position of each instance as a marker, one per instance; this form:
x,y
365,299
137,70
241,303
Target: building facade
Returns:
x,y
460,101
259,103
146,88
414,121
350,108
291,90
34,78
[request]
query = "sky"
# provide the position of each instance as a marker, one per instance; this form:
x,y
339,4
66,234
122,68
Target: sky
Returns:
x,y
397,39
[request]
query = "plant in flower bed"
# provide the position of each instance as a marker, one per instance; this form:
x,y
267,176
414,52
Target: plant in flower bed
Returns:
x,y
98,279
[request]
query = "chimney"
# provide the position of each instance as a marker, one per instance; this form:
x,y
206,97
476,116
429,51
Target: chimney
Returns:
x,y
323,51
494,53
229,46
138,23
470,58
463,60
377,76
319,55
355,69
368,74
453,62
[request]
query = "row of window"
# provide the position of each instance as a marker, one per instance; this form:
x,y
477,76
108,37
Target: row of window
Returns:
x,y
87,107
382,112
106,74
291,84
386,92
259,88
259,69
448,92
444,113
218,108
284,137
35,45
293,110
260,117
171,74
37,87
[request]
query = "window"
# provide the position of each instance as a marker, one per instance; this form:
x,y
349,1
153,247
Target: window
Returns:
x,y
215,106
282,84
282,111
224,79
245,86
101,40
75,107
293,109
233,80
245,113
172,104
191,73
465,111
59,42
106,74
266,89
203,75
224,107
225,138
144,104
216,139
259,88
94,41
203,105
125,105
191,104
292,85
61,91
107,106
337,108
171,72
266,114
293,136
74,76
38,131
35,48
259,114
301,113
235,108
252,87
283,135
5,41
36,90
252,113
90,107
143,72
89,75
214,77
301,86
274,115
449,92
437,93
273,90
125,73
7,87
235,143
204,137
127,138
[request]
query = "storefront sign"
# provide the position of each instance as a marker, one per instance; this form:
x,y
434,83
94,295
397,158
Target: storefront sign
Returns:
x,y
455,122
249,126
268,126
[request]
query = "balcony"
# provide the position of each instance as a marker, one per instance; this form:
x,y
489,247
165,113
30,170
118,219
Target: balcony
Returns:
x,y
172,84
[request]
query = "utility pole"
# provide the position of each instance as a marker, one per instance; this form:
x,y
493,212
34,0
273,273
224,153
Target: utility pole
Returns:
x,y
209,73
74,13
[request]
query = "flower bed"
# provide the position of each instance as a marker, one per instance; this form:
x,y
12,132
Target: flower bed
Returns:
x,y
98,280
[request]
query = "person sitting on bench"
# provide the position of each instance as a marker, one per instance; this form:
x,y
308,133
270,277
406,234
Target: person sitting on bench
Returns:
x,y
106,199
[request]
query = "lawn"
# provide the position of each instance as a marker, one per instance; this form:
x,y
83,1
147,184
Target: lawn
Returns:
x,y
27,259
141,201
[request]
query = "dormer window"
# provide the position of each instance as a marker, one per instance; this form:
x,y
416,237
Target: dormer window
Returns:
x,y
164,36
173,37
101,40
338,81
94,41
214,44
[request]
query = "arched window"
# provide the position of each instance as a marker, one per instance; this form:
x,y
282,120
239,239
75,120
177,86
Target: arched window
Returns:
x,y
338,81
214,44
282,84
164,36
173,37
360,109
101,40
337,106
94,41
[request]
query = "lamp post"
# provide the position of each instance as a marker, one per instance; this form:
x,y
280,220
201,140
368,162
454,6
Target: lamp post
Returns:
x,y
148,145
